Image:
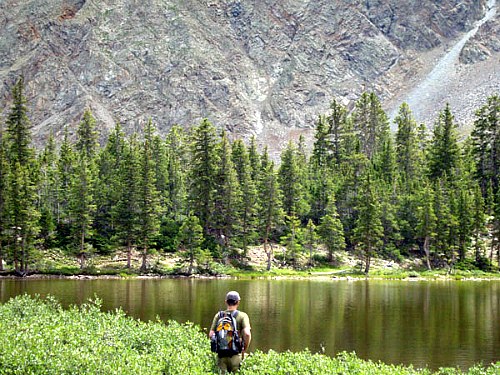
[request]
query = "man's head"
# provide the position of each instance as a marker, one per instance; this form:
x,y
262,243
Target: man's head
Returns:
x,y
232,298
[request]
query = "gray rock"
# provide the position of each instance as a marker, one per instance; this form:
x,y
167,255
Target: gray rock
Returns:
x,y
261,68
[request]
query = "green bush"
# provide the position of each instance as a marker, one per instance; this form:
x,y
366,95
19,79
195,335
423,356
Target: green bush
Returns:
x,y
40,337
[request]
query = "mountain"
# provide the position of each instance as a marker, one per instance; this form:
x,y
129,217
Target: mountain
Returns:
x,y
264,68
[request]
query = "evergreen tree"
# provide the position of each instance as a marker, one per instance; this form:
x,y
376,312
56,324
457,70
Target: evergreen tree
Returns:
x,y
407,145
4,196
444,151
106,194
82,207
464,227
368,231
321,147
427,221
339,133
159,153
126,212
86,144
445,223
202,176
331,230
478,223
290,181
486,144
227,198
23,215
254,158
190,241
370,122
148,202
270,213
292,240
310,239
19,128
176,170
65,171
48,193
248,191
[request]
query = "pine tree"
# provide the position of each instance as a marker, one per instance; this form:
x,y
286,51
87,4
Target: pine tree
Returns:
x,y
321,147
310,239
4,196
331,230
339,132
47,192
227,198
202,176
270,213
23,215
370,122
86,144
82,204
82,207
106,194
254,158
126,212
427,221
478,223
368,231
407,145
292,240
486,144
444,151
176,162
148,207
65,171
248,191
190,241
291,183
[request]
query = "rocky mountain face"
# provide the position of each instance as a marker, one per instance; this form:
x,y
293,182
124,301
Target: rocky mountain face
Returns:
x,y
265,68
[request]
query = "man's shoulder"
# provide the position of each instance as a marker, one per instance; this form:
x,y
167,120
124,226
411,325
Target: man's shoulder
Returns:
x,y
243,314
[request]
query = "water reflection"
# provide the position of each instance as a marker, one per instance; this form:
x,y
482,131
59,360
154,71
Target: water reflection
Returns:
x,y
430,324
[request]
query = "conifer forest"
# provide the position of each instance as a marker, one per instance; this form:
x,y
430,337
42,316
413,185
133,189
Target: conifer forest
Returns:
x,y
422,191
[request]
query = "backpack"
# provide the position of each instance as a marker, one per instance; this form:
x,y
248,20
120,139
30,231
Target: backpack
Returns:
x,y
226,341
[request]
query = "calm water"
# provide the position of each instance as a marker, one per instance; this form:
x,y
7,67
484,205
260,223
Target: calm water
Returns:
x,y
427,324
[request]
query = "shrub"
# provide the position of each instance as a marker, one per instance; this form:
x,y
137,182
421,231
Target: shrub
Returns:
x,y
39,337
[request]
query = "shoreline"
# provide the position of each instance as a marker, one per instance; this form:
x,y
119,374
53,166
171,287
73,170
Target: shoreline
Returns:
x,y
321,277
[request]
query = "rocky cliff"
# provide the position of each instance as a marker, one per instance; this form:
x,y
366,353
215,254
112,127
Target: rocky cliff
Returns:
x,y
264,68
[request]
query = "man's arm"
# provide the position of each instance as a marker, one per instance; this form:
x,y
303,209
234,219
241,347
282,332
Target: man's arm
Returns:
x,y
247,337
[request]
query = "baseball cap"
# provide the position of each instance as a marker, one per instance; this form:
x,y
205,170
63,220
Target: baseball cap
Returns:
x,y
232,295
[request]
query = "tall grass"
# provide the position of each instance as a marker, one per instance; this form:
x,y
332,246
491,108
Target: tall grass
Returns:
x,y
38,336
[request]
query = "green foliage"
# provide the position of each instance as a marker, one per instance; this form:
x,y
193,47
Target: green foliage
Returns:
x,y
40,337
83,340
440,198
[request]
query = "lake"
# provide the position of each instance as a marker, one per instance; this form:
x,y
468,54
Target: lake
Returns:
x,y
425,323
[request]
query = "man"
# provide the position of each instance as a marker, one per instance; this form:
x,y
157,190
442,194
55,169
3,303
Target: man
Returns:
x,y
232,363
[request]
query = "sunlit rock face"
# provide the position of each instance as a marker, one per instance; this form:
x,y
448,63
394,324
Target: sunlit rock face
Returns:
x,y
264,68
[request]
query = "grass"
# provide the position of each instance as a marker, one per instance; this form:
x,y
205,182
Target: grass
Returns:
x,y
39,337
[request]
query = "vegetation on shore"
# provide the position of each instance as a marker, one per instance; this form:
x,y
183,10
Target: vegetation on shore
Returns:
x,y
40,337
208,199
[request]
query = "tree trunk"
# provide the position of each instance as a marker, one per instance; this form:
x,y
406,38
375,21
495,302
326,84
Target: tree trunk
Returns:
x,y
269,253
144,259
368,261
427,252
82,249
81,257
1,257
23,255
129,255
191,262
